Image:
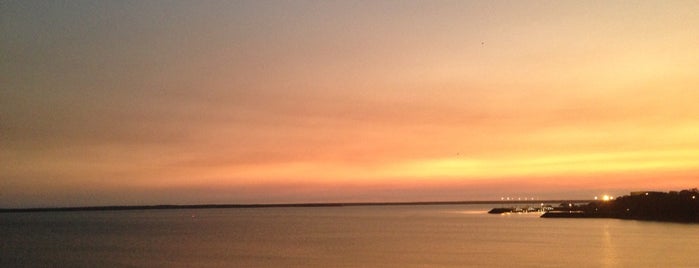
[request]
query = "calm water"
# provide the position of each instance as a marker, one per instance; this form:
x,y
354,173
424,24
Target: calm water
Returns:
x,y
383,236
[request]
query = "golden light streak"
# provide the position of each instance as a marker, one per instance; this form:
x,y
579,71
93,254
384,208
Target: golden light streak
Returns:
x,y
457,169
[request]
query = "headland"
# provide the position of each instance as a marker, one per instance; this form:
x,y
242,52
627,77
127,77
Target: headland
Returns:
x,y
674,206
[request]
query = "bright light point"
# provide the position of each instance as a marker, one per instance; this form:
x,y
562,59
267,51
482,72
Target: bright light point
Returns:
x,y
596,198
694,197
606,198
502,198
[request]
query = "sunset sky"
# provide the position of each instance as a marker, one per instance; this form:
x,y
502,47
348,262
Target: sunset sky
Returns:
x,y
180,102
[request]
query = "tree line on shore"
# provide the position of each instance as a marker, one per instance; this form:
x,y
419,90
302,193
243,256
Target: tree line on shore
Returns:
x,y
679,206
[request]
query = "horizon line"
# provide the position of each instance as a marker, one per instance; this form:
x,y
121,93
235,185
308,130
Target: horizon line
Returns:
x,y
277,205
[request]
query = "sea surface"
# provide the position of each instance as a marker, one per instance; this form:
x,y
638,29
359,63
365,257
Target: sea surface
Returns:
x,y
362,236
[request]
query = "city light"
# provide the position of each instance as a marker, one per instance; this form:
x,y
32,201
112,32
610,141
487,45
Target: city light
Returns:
x,y
606,197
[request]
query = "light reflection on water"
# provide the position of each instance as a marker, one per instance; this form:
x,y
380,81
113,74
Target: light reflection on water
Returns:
x,y
609,256
382,236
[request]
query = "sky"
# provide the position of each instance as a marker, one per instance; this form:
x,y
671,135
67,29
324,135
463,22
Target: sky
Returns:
x,y
190,102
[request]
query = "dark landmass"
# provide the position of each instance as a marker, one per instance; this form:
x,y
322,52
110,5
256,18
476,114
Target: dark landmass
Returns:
x,y
682,206
209,206
525,209
501,210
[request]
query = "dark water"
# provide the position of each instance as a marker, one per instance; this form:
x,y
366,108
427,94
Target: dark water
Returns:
x,y
383,236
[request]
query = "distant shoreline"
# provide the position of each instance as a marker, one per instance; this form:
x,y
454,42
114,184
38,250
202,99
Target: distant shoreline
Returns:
x,y
673,206
281,205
